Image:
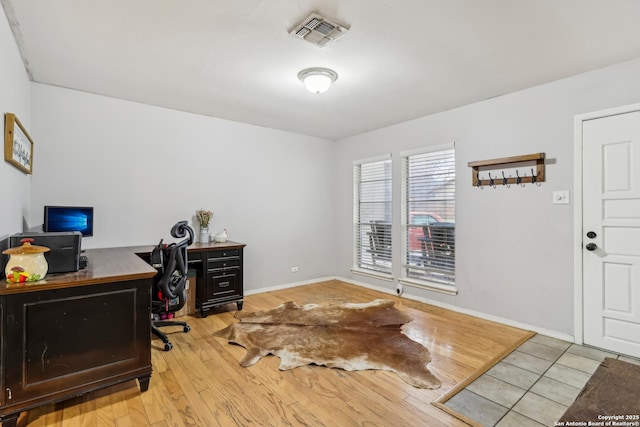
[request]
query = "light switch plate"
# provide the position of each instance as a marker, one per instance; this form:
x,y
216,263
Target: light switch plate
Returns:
x,y
561,197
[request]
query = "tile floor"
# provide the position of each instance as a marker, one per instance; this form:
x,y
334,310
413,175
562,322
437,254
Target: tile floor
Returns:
x,y
532,386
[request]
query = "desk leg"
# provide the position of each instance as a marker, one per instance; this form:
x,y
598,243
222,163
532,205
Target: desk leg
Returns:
x,y
10,420
144,383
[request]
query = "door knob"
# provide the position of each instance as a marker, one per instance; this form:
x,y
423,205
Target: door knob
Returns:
x,y
591,246
591,234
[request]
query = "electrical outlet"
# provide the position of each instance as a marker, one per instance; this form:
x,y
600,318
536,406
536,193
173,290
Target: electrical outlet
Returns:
x,y
294,269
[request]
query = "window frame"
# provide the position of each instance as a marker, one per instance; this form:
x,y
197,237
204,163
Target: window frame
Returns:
x,y
358,248
406,279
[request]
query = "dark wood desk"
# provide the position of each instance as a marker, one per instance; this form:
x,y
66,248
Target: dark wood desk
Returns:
x,y
73,333
219,273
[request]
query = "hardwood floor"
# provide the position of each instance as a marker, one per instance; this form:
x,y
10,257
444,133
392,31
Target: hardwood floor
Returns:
x,y
200,382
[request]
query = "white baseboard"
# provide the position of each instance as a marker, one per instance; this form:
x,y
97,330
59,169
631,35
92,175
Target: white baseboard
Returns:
x,y
485,316
288,285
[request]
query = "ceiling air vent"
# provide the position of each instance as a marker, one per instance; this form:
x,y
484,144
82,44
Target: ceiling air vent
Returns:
x,y
318,30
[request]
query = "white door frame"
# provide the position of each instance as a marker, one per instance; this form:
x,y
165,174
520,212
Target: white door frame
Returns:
x,y
578,329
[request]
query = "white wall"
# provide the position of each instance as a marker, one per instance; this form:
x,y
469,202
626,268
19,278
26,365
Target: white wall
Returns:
x,y
289,196
144,168
513,246
14,98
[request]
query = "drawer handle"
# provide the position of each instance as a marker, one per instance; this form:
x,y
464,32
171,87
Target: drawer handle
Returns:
x,y
223,284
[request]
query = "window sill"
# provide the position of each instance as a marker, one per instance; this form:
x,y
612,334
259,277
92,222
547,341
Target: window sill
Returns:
x,y
430,286
375,274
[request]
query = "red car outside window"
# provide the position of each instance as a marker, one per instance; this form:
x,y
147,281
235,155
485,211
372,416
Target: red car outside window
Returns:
x,y
415,233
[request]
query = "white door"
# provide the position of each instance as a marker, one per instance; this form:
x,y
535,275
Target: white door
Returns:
x,y
611,232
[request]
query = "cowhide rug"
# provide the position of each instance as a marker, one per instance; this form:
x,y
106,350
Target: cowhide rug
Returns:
x,y
348,336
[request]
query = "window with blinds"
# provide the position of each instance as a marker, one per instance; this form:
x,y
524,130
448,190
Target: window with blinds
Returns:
x,y
429,197
372,215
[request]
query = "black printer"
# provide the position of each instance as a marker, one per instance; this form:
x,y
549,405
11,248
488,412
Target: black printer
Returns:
x,y
65,246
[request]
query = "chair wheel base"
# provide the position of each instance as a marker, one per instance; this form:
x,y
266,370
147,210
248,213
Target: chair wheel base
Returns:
x,y
168,346
187,328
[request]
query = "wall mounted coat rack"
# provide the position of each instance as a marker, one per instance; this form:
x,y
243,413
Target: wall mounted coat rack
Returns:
x,y
536,175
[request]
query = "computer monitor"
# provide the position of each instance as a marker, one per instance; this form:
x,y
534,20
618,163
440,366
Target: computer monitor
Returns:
x,y
68,218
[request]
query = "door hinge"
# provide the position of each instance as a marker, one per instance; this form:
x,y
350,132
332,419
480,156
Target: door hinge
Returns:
x,y
8,393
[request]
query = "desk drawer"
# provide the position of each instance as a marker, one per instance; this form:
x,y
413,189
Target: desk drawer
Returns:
x,y
223,264
223,285
225,253
194,259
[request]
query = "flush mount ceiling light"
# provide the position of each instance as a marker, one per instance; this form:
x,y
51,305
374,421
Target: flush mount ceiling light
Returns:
x,y
317,80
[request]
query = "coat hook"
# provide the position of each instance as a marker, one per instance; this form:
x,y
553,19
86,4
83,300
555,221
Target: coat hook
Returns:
x,y
504,179
490,180
518,178
478,180
534,177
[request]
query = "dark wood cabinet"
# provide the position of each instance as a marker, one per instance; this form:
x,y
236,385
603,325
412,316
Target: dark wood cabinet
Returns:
x,y
74,333
219,271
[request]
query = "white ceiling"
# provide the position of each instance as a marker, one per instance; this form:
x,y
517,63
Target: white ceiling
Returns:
x,y
235,59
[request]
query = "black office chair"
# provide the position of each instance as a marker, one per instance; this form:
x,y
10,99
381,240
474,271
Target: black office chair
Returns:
x,y
169,289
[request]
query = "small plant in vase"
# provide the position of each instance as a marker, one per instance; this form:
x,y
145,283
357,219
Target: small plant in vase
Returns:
x,y
204,217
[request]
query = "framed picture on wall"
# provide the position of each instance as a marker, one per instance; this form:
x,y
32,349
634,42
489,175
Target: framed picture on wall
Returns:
x,y
18,146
